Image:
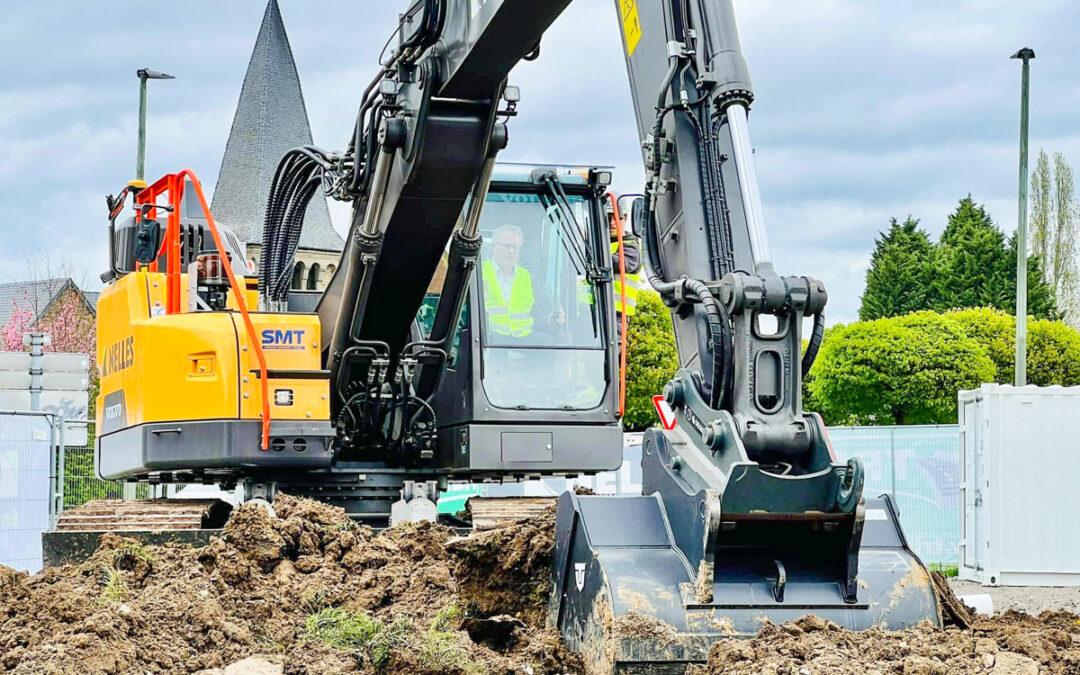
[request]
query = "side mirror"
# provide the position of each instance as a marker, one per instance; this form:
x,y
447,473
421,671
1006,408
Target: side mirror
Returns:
x,y
632,206
637,217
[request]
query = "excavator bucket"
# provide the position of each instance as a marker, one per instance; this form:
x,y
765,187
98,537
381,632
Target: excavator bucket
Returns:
x,y
640,587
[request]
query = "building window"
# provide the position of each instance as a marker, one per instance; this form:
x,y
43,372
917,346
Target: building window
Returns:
x,y
313,277
298,276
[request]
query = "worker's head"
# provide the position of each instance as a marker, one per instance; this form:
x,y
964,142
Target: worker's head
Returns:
x,y
506,247
612,221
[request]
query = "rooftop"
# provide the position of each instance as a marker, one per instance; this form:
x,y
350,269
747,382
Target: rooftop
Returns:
x,y
37,296
270,119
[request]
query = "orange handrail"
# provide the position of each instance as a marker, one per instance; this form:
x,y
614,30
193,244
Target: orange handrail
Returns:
x,y
174,185
149,195
622,301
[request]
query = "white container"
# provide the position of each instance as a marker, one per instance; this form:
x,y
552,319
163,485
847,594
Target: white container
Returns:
x,y
1020,467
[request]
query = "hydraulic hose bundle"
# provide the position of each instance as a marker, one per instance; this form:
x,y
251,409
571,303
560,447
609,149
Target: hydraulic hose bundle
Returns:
x,y
717,387
363,145
300,174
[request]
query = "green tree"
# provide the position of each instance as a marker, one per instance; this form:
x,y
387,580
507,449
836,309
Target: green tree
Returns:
x,y
971,266
1053,349
1041,300
995,331
651,359
975,266
899,370
1041,218
1055,217
1053,353
898,279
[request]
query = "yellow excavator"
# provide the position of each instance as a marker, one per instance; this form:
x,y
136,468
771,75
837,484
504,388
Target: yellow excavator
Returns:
x,y
469,334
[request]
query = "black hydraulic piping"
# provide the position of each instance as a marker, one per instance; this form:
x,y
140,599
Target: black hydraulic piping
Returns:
x,y
687,289
813,344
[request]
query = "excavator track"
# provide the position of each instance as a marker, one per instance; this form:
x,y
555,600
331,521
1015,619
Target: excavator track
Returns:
x,y
490,512
147,514
78,531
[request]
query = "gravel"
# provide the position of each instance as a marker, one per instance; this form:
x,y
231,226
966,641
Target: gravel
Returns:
x,y
1030,599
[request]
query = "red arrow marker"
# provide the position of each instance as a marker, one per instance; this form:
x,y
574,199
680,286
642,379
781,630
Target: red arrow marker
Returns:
x,y
667,415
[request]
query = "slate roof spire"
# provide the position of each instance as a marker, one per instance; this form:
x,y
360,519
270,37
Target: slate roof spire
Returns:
x,y
270,119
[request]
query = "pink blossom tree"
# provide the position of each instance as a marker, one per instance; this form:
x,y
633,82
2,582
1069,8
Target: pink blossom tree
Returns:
x,y
66,320
19,323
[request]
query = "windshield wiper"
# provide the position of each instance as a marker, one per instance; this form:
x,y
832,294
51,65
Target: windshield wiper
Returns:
x,y
573,240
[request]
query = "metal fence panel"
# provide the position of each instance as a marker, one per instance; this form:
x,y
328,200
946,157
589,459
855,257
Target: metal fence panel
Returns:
x,y
26,466
919,467
81,482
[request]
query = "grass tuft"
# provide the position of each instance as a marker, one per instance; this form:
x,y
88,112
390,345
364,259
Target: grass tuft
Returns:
x,y
115,588
128,555
358,632
945,569
314,602
447,618
437,649
439,652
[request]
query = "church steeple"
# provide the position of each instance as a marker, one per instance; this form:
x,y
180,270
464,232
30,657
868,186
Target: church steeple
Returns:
x,y
270,119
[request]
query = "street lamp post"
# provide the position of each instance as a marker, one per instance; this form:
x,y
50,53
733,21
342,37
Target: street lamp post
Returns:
x,y
144,75
1026,55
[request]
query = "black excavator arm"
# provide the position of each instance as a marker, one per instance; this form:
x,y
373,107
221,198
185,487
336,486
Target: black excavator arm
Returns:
x,y
746,513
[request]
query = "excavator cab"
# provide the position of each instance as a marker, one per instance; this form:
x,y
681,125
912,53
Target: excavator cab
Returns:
x,y
535,338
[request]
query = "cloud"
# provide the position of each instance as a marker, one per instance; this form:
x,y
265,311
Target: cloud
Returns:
x,y
864,110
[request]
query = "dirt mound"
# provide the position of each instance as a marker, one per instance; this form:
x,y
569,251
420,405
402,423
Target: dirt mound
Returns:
x,y
304,590
1012,644
303,587
507,570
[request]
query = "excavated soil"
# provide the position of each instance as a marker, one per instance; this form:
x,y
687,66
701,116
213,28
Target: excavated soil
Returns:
x,y
507,569
277,585
1010,644
304,590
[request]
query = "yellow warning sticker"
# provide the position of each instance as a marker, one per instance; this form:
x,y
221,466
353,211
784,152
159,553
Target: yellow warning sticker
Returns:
x,y
631,24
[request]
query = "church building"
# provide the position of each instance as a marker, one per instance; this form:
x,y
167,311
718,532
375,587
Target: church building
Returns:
x,y
271,119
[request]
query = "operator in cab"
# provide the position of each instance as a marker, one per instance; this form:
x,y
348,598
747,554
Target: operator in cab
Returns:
x,y
510,300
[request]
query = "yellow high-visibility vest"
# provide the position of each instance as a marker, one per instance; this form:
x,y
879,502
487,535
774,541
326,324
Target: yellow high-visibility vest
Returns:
x,y
631,290
514,317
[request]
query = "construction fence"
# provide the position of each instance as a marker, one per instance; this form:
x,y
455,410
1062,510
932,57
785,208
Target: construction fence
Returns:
x,y
917,465
29,465
39,478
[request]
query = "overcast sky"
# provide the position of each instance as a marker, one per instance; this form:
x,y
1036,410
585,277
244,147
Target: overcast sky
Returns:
x,y
865,110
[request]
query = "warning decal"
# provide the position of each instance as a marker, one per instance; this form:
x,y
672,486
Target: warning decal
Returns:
x,y
631,24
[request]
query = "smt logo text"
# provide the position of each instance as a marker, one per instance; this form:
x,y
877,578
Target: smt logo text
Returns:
x,y
276,338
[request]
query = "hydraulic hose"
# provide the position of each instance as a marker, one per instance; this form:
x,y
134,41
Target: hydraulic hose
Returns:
x,y
813,344
719,325
298,177
721,340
